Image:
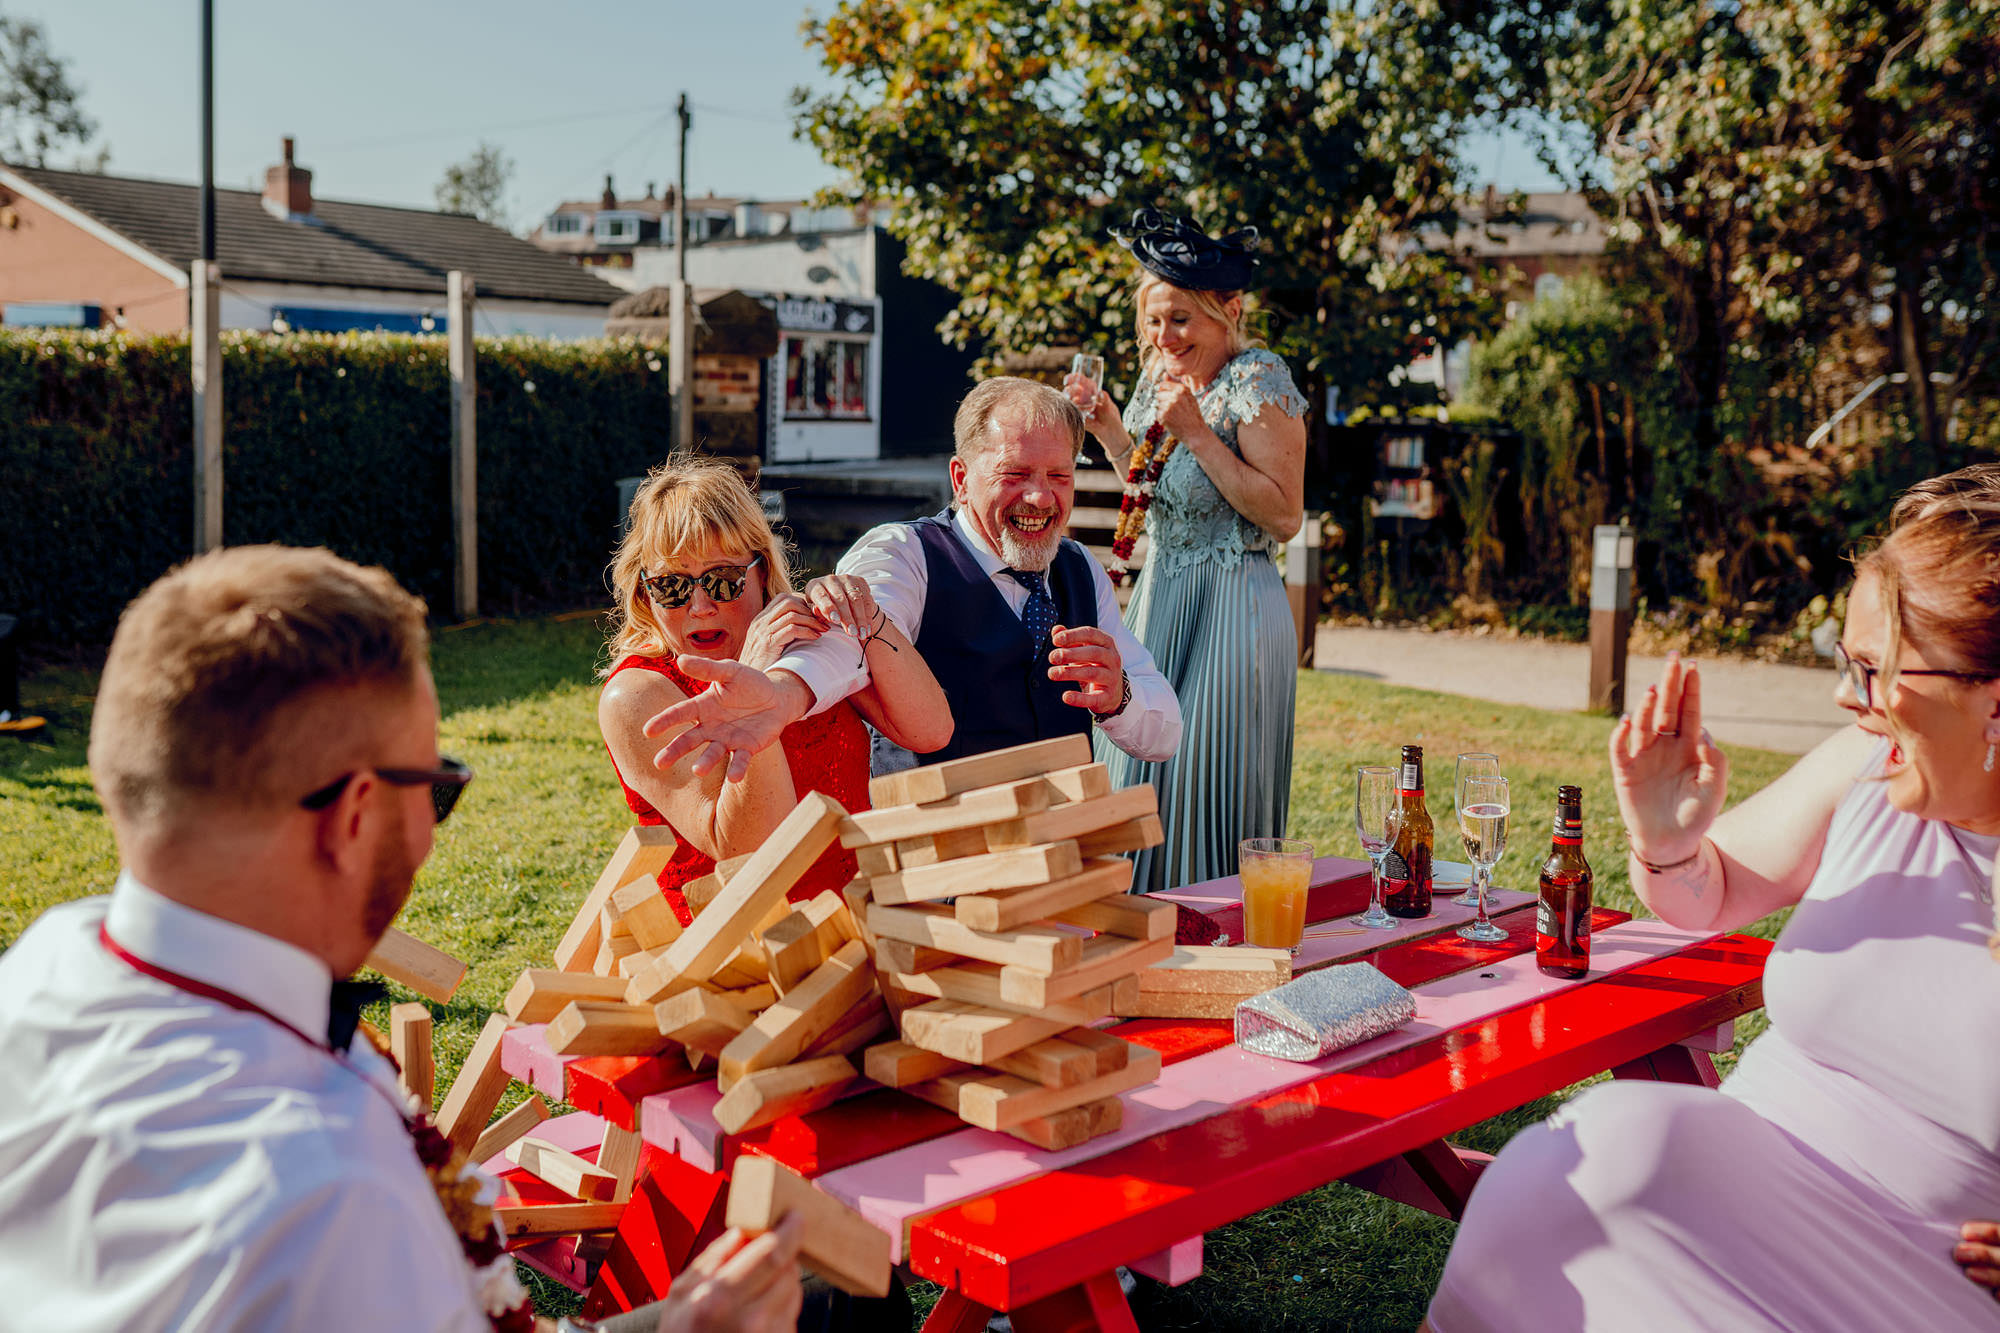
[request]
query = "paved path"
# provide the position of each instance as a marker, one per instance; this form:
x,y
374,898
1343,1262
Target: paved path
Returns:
x,y
1785,708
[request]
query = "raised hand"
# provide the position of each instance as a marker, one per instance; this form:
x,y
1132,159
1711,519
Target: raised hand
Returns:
x,y
1669,776
1099,413
845,601
783,622
1177,406
741,714
1087,657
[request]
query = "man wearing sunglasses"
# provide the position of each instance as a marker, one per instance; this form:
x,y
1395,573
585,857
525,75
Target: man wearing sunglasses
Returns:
x,y
192,1137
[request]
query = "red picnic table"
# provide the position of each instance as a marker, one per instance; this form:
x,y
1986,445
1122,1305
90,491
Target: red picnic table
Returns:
x,y
1223,1133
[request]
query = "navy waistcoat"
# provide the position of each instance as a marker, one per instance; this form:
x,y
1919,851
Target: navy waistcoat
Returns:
x,y
984,656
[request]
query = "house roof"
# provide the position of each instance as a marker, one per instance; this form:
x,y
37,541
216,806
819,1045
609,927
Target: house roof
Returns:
x,y
341,244
1551,223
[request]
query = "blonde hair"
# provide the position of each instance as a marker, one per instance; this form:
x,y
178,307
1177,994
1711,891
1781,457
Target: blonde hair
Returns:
x,y
1213,304
1026,403
687,503
211,666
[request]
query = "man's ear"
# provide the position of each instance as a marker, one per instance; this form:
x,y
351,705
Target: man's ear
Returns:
x,y
957,478
341,831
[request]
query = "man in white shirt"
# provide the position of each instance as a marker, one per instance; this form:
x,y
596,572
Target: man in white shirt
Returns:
x,y
1005,609
189,1141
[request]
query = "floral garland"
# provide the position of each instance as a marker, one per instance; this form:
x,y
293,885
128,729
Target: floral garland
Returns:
x,y
466,1195
1142,481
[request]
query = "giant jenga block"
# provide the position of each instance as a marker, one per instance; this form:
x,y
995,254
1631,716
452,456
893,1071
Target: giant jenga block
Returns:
x,y
1037,947
1085,782
1105,959
782,1032
936,782
541,993
895,1063
746,897
589,1028
410,1047
1019,867
1000,1101
1074,819
477,1090
562,1169
1009,909
1133,915
702,1020
646,913
1072,1125
430,972
979,984
809,934
1208,969
642,852
840,1245
969,810
1132,836
864,1024
764,1095
618,1156
973,1034
515,1125
539,1221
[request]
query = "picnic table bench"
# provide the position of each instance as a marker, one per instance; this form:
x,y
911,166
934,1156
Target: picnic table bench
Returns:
x,y
1222,1134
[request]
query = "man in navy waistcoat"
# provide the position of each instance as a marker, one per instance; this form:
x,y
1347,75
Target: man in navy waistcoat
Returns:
x,y
1017,622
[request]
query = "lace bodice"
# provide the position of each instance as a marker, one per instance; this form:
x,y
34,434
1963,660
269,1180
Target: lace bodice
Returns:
x,y
1189,521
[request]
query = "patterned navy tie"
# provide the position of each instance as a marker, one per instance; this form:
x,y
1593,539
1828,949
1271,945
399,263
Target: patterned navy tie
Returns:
x,y
1039,614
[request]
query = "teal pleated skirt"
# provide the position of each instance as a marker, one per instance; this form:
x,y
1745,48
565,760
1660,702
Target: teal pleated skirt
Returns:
x,y
1223,637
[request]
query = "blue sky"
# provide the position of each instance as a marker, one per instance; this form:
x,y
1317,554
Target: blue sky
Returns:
x,y
382,96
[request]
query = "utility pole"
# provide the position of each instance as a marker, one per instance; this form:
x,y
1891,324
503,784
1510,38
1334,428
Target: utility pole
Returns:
x,y
680,348
204,320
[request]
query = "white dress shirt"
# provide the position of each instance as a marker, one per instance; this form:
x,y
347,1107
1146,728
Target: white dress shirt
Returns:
x,y
170,1162
891,560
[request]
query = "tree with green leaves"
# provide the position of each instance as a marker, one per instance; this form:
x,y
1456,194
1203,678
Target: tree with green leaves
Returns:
x,y
478,185
1009,136
40,109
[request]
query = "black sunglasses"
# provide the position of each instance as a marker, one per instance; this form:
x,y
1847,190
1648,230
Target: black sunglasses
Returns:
x,y
724,583
1860,677
446,781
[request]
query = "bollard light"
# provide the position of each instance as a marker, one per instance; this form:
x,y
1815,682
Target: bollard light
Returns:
x,y
1610,614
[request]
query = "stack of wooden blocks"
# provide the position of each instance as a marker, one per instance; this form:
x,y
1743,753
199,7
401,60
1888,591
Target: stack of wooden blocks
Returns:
x,y
778,995
981,880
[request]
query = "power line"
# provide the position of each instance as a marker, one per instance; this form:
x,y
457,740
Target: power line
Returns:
x,y
604,114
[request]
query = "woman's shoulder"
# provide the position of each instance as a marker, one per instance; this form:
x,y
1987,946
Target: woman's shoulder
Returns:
x,y
638,681
1257,376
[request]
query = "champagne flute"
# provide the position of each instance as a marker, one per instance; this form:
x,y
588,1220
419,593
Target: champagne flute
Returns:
x,y
1090,369
1483,808
1376,818
1475,764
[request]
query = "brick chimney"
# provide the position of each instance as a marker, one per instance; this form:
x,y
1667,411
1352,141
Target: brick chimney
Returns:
x,y
610,199
288,187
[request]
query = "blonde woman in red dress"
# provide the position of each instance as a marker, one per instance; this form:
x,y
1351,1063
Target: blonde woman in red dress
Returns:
x,y
700,574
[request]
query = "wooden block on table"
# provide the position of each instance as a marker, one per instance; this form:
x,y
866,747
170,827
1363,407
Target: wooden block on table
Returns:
x,y
1209,969
937,782
1112,1052
973,1034
1037,947
510,1128
877,859
1075,819
1019,867
642,852
838,1243
764,1095
611,918
979,984
701,1020
1132,915
898,998
1132,836
747,896
1106,958
430,972
609,950
618,1156
1011,909
754,998
744,967
562,1169
410,1046
948,846
699,893
896,1063
1054,1062
1085,782
541,993
1074,1125
477,1090
856,894
782,1032
632,964
587,1027
807,936
539,1221
996,1101
895,824
652,922
863,1025
900,956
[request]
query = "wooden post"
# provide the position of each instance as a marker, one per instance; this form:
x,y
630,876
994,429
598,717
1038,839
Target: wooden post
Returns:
x,y
464,447
1610,615
680,363
205,363
1303,579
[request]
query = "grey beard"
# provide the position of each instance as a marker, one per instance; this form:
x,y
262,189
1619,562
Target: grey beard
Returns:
x,y
1019,553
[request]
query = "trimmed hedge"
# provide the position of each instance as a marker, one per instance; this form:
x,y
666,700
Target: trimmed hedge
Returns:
x,y
336,440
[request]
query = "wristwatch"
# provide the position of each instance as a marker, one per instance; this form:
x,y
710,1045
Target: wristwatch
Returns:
x,y
1124,700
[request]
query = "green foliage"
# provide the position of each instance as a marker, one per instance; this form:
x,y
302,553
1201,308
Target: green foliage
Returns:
x,y
478,185
40,108
1330,127
338,440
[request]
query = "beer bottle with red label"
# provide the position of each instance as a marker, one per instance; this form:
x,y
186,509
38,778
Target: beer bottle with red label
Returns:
x,y
1406,870
1562,917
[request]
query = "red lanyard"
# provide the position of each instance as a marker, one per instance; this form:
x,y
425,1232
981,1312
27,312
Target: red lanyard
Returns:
x,y
193,987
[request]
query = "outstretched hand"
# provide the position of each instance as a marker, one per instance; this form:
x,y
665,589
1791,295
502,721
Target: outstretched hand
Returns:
x,y
1669,776
1978,1253
740,714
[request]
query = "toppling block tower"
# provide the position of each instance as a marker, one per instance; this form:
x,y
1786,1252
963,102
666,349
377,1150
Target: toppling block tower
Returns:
x,y
981,878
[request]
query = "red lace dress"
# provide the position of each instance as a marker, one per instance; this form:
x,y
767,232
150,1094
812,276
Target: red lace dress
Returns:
x,y
827,752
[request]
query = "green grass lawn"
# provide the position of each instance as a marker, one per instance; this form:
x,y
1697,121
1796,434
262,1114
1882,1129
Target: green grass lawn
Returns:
x,y
536,827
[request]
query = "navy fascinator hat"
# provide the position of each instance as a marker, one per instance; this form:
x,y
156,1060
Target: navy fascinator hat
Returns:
x,y
1175,250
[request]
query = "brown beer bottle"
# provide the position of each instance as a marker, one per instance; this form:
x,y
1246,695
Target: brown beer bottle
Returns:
x,y
1406,870
1562,917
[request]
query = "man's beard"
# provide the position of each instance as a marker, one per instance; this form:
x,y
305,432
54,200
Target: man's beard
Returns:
x,y
1023,552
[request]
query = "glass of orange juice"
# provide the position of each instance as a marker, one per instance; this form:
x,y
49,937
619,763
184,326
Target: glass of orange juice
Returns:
x,y
1276,873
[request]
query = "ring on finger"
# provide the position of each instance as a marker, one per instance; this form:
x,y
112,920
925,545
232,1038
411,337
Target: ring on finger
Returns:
x,y
1664,732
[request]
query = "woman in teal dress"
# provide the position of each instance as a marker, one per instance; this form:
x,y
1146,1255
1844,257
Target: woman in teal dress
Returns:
x,y
1209,604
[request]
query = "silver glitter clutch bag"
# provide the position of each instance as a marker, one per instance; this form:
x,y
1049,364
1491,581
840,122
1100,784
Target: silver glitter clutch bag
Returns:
x,y
1321,1012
